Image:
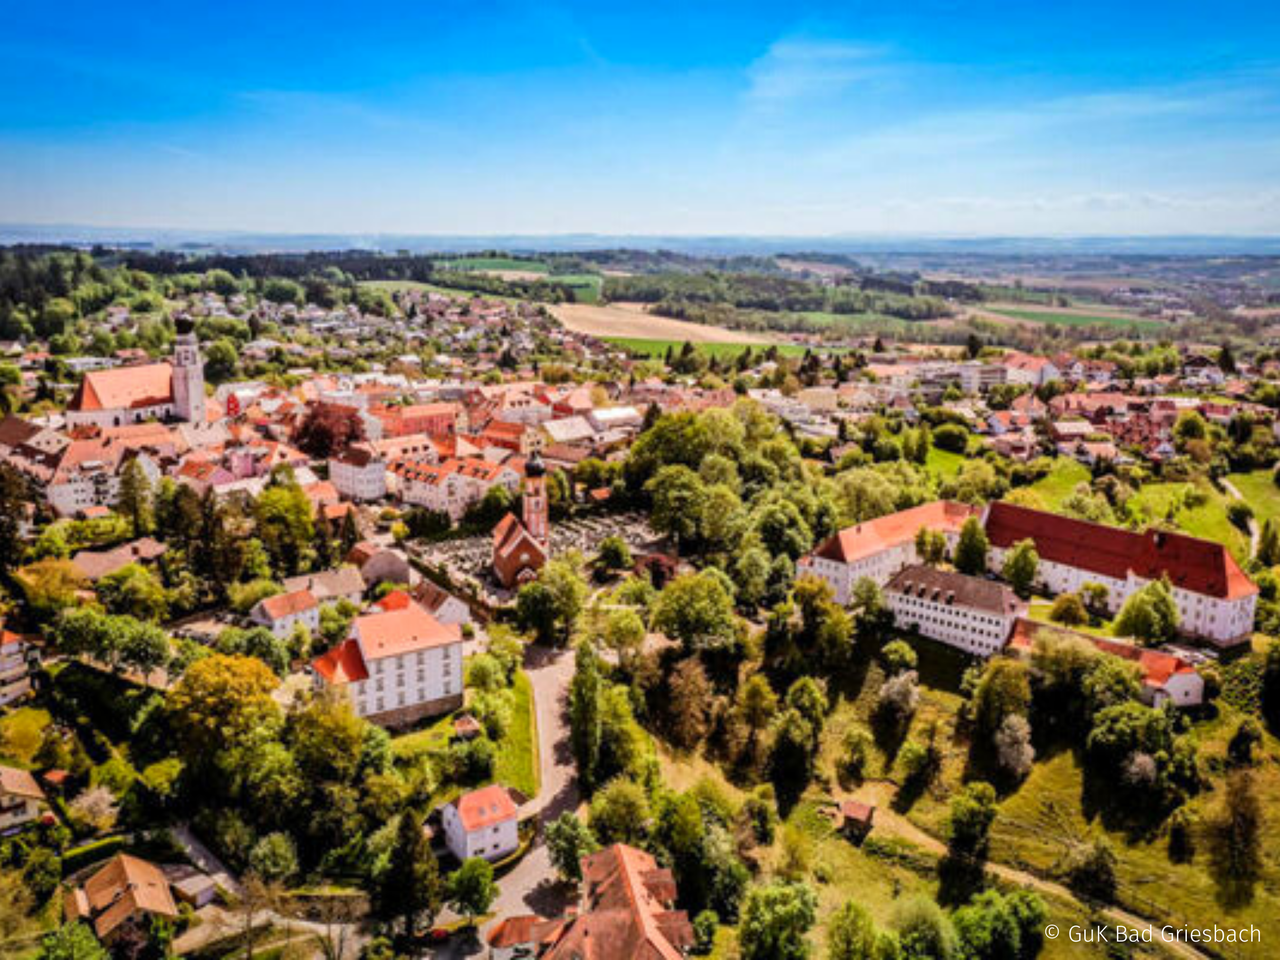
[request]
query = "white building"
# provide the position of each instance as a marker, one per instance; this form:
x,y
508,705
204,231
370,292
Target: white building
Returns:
x,y
359,474
15,669
880,548
1215,597
284,611
972,614
399,665
21,799
482,823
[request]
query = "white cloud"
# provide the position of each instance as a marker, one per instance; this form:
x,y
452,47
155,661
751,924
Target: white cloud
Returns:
x,y
796,68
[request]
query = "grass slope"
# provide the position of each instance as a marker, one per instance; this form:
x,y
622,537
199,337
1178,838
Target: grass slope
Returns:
x,y
1080,319
643,346
1260,492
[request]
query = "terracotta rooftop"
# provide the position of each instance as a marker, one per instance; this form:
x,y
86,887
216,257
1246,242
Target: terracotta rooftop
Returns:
x,y
342,664
145,385
485,807
1198,566
123,888
402,631
873,536
288,604
19,783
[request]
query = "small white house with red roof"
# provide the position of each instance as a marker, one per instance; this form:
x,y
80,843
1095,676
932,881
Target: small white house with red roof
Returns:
x,y
399,665
1029,369
284,611
482,823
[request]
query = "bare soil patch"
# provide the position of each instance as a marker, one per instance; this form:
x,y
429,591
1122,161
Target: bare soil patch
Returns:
x,y
633,320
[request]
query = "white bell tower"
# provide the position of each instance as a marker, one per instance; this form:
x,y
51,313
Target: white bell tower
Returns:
x,y
188,379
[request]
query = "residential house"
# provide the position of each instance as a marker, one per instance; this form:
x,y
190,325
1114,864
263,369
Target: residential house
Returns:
x,y
626,910
482,823
359,474
283,612
22,800
16,655
126,893
330,586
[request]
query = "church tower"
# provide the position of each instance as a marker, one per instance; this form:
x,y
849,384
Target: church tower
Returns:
x,y
188,378
535,500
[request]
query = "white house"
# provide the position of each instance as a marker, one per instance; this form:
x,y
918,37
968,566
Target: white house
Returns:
x,y
21,799
15,671
972,614
482,823
400,664
359,474
284,611
880,548
330,586
441,604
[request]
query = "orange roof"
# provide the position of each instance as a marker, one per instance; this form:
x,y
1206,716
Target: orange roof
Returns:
x,y
1156,667
19,783
287,604
395,600
146,385
485,807
627,895
402,631
874,536
123,888
342,664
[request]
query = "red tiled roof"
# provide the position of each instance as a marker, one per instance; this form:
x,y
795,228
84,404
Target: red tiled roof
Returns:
x,y
19,783
287,604
402,631
1198,566
1156,667
146,385
865,539
342,664
485,807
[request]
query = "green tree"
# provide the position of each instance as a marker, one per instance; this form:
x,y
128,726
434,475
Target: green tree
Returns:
x,y
614,554
568,841
134,590
679,500
898,657
71,941
585,725
971,548
136,499
1021,564
1004,690
620,812
1068,609
924,931
274,858
697,610
1268,553
1150,614
852,935
409,889
221,703
775,921
472,889
973,810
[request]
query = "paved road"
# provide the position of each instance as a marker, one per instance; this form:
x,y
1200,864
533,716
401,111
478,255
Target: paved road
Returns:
x,y
531,886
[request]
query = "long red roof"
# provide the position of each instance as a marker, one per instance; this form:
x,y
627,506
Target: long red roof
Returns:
x,y
1192,564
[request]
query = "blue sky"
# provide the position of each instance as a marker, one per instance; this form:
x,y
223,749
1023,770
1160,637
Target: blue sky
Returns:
x,y
469,117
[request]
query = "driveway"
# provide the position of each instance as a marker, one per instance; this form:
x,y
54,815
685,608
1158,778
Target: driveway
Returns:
x,y
531,886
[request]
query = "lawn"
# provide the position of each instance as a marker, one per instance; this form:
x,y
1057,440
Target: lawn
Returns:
x,y
943,463
1060,482
517,764
1081,319
585,286
21,732
1260,492
1208,520
644,346
517,750
492,263
392,286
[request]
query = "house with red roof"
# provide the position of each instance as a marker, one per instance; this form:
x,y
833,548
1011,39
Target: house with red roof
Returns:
x,y
880,548
1215,597
1029,369
627,909
148,391
283,612
1166,677
399,664
22,800
483,823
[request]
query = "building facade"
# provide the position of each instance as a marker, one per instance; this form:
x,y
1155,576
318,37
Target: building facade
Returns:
x,y
972,614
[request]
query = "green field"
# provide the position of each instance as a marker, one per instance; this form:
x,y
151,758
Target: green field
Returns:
x,y
943,463
1166,501
585,286
1260,492
492,263
393,286
658,348
1060,482
1080,319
